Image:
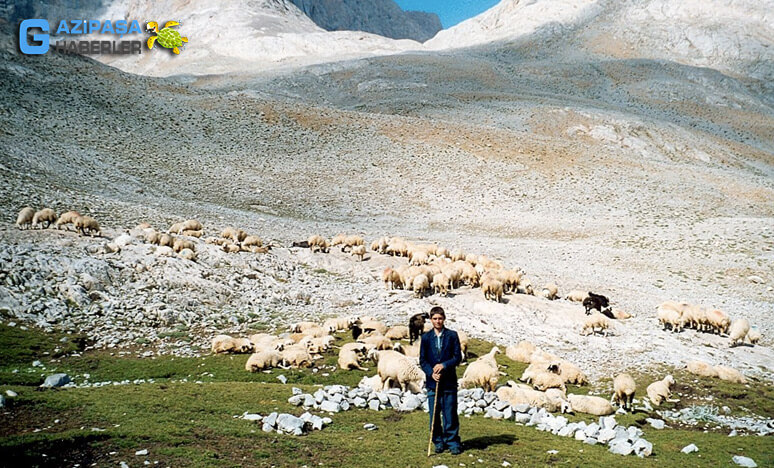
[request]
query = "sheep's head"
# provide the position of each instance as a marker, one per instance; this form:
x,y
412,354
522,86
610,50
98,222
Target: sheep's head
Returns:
x,y
669,380
494,351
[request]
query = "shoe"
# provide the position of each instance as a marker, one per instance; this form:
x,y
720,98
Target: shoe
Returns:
x,y
455,450
439,449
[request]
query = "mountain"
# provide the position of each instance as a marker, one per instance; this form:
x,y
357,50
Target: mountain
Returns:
x,y
733,36
382,17
243,36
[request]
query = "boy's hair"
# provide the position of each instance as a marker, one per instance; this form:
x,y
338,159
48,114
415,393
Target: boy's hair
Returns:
x,y
437,310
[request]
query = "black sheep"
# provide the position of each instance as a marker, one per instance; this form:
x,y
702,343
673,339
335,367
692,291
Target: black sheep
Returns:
x,y
595,301
417,325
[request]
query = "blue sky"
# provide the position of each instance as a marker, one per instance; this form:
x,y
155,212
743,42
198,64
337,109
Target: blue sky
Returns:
x,y
451,12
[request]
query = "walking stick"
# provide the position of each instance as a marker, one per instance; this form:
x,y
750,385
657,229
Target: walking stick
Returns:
x,y
432,424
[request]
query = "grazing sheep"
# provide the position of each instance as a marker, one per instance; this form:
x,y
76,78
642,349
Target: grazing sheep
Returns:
x,y
264,360
492,289
68,217
718,321
701,369
550,291
623,391
595,321
416,325
738,331
227,344
520,352
350,359
359,251
576,295
464,340
753,336
46,215
588,404
595,301
668,316
730,374
420,285
192,225
394,366
391,279
25,217
88,224
180,244
441,284
318,243
251,241
660,390
398,332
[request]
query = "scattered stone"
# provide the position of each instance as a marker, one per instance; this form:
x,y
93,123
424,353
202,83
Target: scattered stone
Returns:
x,y
370,427
690,448
656,423
56,380
282,378
642,448
620,447
744,461
552,452
2,401
141,452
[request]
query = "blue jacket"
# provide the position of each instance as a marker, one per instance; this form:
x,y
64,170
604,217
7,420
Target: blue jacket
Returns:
x,y
450,356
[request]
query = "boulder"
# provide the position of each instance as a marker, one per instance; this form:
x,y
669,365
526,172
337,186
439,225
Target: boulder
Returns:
x,y
744,461
620,447
690,448
56,380
642,448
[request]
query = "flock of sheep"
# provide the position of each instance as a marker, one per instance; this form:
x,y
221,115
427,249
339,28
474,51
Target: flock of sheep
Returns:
x,y
678,315
42,219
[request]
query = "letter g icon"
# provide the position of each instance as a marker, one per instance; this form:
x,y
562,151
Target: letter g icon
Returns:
x,y
25,46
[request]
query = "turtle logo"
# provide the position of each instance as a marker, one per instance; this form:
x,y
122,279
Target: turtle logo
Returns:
x,y
168,38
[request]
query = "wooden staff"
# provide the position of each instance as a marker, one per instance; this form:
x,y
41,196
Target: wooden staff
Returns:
x,y
432,424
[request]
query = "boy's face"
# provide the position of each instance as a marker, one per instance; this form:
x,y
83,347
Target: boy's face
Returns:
x,y
437,321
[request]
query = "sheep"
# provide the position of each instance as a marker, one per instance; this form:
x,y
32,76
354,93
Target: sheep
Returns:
x,y
398,332
595,321
164,251
391,365
730,374
192,225
374,383
350,359
667,315
236,235
358,251
166,240
416,325
318,243
545,380
227,344
301,326
701,369
187,254
492,289
753,336
297,356
490,356
46,215
588,404
718,321
576,295
620,314
420,285
520,352
552,400
339,323
196,234
624,388
441,284
571,373
464,340
660,390
480,373
152,237
264,360
25,217
738,331
550,291
537,367
228,247
68,217
180,244
376,341
411,351
319,344
86,224
373,327
251,241
524,286
391,279
355,346
595,301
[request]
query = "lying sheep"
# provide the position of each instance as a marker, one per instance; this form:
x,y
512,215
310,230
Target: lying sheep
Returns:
x,y
550,291
46,215
520,352
68,217
398,332
164,251
552,400
371,327
251,241
187,254
624,388
350,359
545,380
393,366
492,289
87,224
594,322
264,360
620,314
180,244
297,356
379,342
480,373
191,225
356,347
301,326
589,404
701,369
229,247
576,295
572,374
25,217
738,331
660,390
730,374
227,344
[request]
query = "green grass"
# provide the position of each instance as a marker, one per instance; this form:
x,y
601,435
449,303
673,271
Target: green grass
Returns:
x,y
193,424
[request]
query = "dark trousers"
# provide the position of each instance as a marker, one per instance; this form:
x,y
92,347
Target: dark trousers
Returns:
x,y
447,423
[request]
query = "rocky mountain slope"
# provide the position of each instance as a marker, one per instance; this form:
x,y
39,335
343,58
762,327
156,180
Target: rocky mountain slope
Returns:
x,y
382,17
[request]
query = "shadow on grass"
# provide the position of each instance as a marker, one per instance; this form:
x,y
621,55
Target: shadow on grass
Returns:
x,y
480,443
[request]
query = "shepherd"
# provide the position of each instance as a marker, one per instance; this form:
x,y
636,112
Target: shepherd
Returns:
x,y
439,355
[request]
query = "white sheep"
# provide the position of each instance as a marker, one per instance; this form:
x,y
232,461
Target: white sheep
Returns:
x,y
669,314
753,336
393,366
589,404
701,369
550,291
730,374
264,360
350,359
624,388
376,341
441,284
411,351
571,373
355,346
374,383
228,344
552,400
492,289
520,352
576,295
373,327
464,340
180,244
301,326
318,243
25,217
192,225
68,217
545,380
718,321
398,332
483,372
46,215
595,321
187,254
738,331
297,356
86,224
420,285
660,390
359,251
